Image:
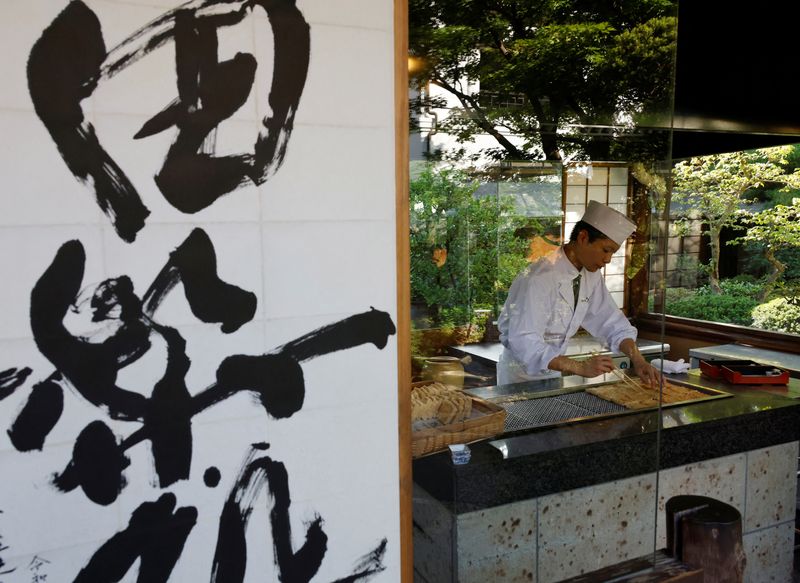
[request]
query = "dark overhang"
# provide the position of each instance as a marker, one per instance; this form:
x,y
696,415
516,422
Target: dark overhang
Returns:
x,y
734,76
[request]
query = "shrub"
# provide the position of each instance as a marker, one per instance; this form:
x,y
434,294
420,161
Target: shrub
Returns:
x,y
674,294
777,315
731,309
741,285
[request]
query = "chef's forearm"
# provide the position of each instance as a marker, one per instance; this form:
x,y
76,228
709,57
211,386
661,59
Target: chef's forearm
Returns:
x,y
628,348
532,352
565,364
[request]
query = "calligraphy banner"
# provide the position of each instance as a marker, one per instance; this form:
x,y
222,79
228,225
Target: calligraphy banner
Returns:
x,y
197,328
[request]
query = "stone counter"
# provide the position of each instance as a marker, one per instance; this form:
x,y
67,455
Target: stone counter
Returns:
x,y
545,505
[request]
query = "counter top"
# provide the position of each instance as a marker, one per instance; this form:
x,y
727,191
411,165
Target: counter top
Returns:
x,y
536,462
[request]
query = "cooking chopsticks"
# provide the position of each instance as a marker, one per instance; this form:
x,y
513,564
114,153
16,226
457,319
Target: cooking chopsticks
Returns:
x,y
622,376
625,379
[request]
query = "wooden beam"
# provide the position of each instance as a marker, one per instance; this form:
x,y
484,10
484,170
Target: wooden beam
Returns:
x,y
401,157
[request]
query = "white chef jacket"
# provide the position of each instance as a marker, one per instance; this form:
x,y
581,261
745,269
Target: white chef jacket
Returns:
x,y
540,316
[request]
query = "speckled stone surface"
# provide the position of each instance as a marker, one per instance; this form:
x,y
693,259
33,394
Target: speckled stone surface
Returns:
x,y
507,569
769,554
579,531
491,533
722,479
771,486
590,528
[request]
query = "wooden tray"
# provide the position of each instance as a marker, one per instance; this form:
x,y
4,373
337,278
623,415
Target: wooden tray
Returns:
x,y
486,420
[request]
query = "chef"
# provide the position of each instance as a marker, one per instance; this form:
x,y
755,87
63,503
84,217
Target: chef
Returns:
x,y
561,292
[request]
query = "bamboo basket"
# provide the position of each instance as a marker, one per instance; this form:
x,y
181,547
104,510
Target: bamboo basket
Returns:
x,y
486,420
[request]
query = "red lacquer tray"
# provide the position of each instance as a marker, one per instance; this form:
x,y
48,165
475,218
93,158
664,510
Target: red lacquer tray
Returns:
x,y
713,368
744,372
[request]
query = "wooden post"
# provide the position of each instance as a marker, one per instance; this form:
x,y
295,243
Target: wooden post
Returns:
x,y
706,534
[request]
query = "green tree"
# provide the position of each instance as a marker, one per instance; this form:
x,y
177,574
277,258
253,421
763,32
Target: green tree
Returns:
x,y
568,64
464,247
774,229
715,187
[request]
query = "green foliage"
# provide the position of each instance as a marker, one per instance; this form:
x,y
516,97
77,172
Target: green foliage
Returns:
x,y
739,304
778,315
791,259
464,250
777,227
792,158
741,285
775,230
714,308
733,306
772,196
575,62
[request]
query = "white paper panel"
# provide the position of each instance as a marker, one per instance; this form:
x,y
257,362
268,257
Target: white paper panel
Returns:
x,y
148,349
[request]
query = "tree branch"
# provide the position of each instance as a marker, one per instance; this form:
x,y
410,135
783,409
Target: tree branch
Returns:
x,y
478,117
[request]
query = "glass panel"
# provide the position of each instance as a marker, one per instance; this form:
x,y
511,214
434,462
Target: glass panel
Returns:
x,y
599,176
595,125
598,193
618,175
619,298
576,194
577,176
616,266
618,194
739,268
443,209
573,214
615,282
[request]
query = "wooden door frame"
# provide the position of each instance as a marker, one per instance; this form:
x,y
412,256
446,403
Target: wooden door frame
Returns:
x,y
401,157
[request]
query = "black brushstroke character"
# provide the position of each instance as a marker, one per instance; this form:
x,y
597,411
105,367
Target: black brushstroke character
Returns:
x,y
39,415
36,565
2,563
230,557
91,368
368,565
156,534
209,92
12,378
69,60
64,69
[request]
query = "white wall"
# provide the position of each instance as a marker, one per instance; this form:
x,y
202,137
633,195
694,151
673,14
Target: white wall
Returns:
x,y
315,243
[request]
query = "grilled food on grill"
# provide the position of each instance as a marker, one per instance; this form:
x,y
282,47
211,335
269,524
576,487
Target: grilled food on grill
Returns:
x,y
634,395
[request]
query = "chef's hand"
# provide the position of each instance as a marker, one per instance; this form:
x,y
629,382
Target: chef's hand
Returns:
x,y
595,366
647,372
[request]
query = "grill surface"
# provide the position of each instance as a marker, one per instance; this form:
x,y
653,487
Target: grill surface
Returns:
x,y
547,410
592,403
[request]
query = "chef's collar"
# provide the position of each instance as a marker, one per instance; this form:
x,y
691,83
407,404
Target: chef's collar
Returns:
x,y
571,270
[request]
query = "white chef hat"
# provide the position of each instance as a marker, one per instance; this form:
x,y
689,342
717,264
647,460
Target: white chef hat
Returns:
x,y
612,223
